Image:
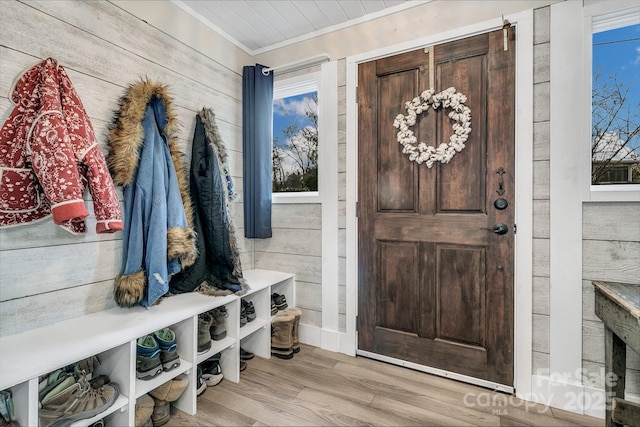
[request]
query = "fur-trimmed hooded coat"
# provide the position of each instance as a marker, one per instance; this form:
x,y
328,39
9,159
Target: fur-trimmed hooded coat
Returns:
x,y
144,159
217,270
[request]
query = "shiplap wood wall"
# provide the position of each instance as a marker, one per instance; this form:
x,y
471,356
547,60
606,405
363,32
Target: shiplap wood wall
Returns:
x,y
541,141
296,243
47,274
611,237
342,194
610,252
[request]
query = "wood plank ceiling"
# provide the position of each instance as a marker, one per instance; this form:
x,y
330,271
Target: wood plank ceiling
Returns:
x,y
257,26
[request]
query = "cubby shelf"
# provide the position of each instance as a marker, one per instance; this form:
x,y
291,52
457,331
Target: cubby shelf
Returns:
x,y
145,386
120,404
216,347
112,334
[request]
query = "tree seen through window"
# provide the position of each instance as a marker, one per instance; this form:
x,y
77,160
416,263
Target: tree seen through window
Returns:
x,y
295,143
615,106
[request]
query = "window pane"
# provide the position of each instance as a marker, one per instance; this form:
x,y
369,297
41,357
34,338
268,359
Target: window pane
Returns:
x,y
295,143
615,120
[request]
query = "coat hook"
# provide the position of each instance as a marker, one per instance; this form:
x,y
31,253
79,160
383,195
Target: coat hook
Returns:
x,y
505,33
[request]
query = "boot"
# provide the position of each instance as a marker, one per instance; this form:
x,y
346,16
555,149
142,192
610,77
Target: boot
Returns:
x,y
295,335
148,362
144,409
171,390
161,412
281,336
205,322
218,330
169,356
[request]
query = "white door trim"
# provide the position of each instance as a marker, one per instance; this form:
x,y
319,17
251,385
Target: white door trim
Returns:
x,y
524,177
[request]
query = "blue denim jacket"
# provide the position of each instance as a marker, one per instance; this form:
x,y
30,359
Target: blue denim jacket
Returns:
x,y
153,205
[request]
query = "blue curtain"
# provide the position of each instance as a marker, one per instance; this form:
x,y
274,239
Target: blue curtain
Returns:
x,y
257,123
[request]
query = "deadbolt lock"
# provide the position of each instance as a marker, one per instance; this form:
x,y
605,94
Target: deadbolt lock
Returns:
x,y
501,204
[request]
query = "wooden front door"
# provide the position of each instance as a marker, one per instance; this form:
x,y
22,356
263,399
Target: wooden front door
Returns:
x,y
435,280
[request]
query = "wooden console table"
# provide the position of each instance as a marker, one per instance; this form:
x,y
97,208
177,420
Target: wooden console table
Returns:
x,y
618,305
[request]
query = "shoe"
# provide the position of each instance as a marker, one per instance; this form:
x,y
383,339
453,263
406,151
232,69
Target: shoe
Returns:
x,y
99,381
7,409
84,367
279,300
78,401
172,389
50,379
245,355
61,381
281,336
274,309
211,372
201,384
169,356
243,317
144,409
161,412
148,363
204,335
243,365
218,330
209,364
295,334
249,310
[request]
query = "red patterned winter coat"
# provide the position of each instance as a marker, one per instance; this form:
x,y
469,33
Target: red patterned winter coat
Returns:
x,y
49,154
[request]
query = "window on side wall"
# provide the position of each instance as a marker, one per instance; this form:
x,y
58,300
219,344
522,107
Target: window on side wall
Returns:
x,y
296,140
615,101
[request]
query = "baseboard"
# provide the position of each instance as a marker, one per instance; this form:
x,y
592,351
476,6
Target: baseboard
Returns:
x,y
570,397
311,335
325,339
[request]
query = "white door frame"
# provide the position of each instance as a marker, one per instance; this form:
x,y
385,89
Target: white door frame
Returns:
x,y
523,281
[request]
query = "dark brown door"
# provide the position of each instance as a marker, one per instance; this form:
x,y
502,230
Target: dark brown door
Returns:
x,y
435,281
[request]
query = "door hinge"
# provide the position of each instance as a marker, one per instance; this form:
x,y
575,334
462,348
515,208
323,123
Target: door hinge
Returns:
x,y
356,94
357,209
357,323
515,228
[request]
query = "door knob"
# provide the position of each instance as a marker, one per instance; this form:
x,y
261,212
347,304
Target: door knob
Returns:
x,y
499,228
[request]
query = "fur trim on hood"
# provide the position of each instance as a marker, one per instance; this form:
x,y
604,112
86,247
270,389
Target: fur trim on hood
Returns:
x,y
126,136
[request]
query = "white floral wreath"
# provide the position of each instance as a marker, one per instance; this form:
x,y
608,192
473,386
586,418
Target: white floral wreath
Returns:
x,y
421,152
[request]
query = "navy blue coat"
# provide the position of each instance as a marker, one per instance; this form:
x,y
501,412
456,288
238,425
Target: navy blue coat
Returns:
x,y
217,268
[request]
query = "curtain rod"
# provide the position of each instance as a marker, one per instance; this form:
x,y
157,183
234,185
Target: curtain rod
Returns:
x,y
296,65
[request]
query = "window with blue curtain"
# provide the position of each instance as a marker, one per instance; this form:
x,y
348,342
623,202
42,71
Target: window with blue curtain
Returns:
x,y
257,122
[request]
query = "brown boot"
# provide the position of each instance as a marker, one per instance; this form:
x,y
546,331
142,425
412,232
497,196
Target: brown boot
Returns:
x,y
144,409
295,334
161,412
218,330
205,322
281,336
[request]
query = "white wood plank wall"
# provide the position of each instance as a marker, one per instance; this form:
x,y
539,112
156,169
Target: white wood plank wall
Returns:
x,y
611,237
296,245
46,274
342,194
611,252
541,141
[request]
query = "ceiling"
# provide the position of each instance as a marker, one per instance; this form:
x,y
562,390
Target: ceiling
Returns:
x,y
257,26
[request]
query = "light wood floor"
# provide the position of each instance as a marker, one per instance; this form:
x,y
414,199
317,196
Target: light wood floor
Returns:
x,y
322,388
